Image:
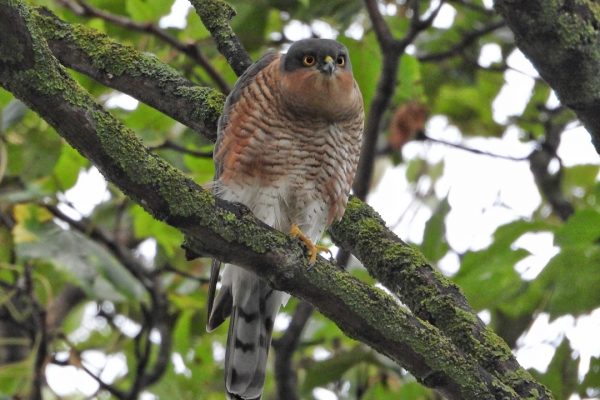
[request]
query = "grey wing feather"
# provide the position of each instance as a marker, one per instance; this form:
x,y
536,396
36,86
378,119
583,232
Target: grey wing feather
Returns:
x,y
247,77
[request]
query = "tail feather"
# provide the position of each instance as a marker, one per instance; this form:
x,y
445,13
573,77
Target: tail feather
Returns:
x,y
253,306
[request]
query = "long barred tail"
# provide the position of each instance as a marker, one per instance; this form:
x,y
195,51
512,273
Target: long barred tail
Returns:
x,y
253,306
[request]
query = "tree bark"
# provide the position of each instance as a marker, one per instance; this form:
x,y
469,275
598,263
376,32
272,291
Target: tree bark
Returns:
x,y
561,39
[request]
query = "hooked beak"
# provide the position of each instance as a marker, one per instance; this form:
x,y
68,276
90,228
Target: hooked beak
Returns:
x,y
328,67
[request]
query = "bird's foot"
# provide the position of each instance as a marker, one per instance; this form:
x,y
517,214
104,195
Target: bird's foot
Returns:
x,y
313,249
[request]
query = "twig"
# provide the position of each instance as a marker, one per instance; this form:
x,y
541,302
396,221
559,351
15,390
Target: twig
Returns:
x,y
467,40
123,255
170,268
472,150
79,364
158,318
170,145
84,9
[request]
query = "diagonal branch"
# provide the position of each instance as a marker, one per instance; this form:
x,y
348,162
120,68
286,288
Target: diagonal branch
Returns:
x,y
191,50
429,295
215,15
226,231
124,68
561,39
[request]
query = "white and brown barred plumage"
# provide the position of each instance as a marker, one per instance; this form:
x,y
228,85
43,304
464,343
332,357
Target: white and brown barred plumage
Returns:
x,y
288,146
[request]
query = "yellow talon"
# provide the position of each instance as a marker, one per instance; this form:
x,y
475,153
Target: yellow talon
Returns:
x,y
313,249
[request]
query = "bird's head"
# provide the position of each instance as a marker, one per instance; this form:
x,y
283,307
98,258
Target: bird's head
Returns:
x,y
317,78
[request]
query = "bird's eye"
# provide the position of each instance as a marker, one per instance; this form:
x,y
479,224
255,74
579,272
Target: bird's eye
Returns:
x,y
308,61
341,61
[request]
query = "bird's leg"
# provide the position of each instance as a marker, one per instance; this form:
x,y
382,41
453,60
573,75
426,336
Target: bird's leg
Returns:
x,y
313,249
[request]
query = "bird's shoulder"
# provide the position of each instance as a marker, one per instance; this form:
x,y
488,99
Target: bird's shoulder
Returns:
x,y
247,78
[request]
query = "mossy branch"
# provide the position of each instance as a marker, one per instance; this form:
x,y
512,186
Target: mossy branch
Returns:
x,y
215,15
223,230
561,39
431,296
140,75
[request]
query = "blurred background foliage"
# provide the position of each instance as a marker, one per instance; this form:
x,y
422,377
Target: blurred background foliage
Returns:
x,y
65,236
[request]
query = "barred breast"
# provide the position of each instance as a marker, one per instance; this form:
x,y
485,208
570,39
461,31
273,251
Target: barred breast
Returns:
x,y
285,165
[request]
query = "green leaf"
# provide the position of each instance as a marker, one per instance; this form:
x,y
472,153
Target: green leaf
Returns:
x,y
561,376
529,120
571,280
434,245
145,226
410,85
68,167
203,169
150,124
15,378
5,98
322,372
592,378
470,106
90,265
488,277
366,64
583,227
33,151
147,10
6,244
12,113
415,169
579,179
410,390
250,24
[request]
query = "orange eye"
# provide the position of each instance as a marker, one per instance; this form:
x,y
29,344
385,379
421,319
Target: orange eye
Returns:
x,y
341,61
308,61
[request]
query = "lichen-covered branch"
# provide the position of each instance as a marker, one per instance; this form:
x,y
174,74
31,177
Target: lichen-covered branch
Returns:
x,y
223,230
431,297
189,49
215,15
561,40
139,75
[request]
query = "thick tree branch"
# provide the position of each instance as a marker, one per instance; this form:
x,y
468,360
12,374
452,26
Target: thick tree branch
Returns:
x,y
226,231
431,297
561,40
189,49
141,76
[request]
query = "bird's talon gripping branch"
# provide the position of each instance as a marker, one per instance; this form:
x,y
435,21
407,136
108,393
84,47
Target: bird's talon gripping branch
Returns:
x,y
313,249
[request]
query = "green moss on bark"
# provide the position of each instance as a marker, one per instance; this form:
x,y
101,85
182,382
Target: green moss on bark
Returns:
x,y
113,62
